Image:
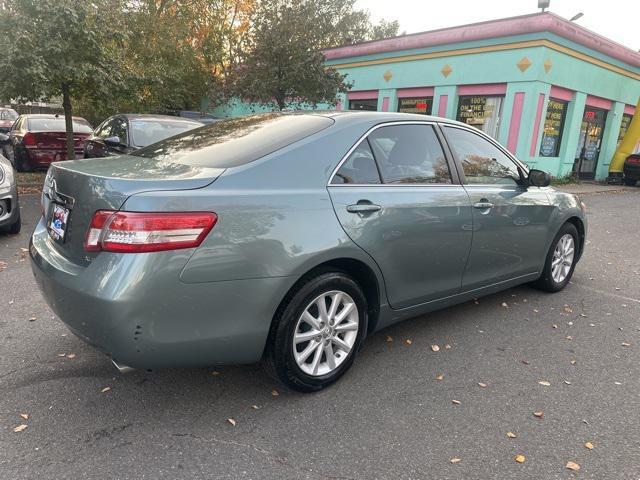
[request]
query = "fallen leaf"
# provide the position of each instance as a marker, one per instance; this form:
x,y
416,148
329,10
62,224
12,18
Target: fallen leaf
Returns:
x,y
573,466
215,373
511,435
569,337
583,315
62,354
567,382
573,362
32,319
389,340
447,347
435,348
71,355
105,389
526,362
589,445
544,383
455,460
520,458
19,428
408,342
538,414
456,402
255,407
275,392
440,377
554,326
626,344
536,310
482,385
231,421
617,383
475,300
568,309
25,416
504,304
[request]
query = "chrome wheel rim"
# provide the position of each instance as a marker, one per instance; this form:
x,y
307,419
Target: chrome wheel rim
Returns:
x,y
562,258
326,333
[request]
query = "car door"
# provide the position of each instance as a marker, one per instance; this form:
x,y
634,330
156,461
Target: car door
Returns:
x,y
120,129
510,220
398,198
94,145
15,138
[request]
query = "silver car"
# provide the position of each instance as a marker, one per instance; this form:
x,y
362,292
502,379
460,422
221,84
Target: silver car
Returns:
x,y
290,237
9,206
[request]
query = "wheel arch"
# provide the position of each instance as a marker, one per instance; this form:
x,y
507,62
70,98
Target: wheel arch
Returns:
x,y
579,224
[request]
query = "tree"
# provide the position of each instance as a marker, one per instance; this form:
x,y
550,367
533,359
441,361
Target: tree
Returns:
x,y
67,48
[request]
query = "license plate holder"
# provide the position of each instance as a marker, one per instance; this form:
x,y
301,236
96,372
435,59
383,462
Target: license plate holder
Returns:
x,y
58,221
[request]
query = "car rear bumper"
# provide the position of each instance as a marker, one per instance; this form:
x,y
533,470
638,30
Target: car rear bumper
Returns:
x,y
42,158
134,308
632,171
9,206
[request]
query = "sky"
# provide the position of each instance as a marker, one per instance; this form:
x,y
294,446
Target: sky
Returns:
x,y
618,20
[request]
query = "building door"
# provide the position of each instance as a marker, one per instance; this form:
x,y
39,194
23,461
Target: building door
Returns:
x,y
591,130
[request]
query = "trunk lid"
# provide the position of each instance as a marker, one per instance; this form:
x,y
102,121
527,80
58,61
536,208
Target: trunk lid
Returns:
x,y
84,186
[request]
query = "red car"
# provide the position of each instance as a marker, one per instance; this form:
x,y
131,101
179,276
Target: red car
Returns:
x,y
7,117
36,140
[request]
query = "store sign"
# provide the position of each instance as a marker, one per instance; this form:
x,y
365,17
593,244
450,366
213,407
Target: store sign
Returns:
x,y
553,124
624,126
415,105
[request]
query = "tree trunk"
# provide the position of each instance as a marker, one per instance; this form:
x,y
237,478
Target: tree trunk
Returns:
x,y
68,121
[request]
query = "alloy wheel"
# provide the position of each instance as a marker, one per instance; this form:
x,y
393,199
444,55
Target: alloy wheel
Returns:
x,y
562,258
326,333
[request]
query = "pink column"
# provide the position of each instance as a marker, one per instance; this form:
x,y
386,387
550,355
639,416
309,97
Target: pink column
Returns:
x,y
516,117
385,104
442,105
536,125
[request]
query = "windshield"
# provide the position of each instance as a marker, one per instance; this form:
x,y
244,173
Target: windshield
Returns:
x,y
8,114
146,132
56,124
234,142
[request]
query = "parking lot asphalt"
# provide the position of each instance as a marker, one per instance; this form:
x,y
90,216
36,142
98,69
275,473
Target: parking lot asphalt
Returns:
x,y
402,411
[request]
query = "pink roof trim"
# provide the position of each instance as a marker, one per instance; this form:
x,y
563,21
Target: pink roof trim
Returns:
x,y
599,102
524,24
630,109
561,93
415,92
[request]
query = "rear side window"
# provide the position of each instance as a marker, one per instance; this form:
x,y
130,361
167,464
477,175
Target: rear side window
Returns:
x,y
238,141
410,154
359,168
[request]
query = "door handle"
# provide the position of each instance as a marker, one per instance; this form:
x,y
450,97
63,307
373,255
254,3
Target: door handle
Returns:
x,y
483,205
363,208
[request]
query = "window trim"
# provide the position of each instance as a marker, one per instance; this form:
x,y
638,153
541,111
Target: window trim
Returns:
x,y
456,180
487,137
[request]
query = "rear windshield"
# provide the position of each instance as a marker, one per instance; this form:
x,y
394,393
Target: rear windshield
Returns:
x,y
8,114
145,132
80,125
234,142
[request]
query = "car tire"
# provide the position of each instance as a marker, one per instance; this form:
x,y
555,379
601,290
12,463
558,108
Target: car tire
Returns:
x,y
21,164
16,226
630,181
308,359
559,264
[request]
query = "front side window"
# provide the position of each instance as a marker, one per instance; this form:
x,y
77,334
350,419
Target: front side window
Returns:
x,y
104,130
409,154
119,130
482,162
553,126
360,168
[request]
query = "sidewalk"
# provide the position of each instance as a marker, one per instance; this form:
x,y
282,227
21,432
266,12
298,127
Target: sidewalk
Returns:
x,y
586,188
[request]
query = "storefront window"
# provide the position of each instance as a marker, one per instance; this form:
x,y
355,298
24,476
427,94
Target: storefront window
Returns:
x,y
415,105
370,105
626,121
481,112
553,126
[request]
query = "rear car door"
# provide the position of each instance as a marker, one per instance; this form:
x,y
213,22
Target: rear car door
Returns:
x,y
510,220
398,198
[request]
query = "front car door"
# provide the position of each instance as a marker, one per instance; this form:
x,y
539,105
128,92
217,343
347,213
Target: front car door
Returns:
x,y
510,220
94,145
399,199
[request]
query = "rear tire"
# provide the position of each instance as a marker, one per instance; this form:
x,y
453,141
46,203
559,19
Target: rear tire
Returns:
x,y
16,226
561,260
309,358
630,181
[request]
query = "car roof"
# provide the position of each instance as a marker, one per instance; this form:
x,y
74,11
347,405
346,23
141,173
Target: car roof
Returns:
x,y
357,116
153,116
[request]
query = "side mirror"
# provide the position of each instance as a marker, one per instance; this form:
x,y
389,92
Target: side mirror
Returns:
x,y
538,178
112,141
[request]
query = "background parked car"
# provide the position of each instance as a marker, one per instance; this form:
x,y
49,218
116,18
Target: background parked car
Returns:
x,y
125,133
9,205
36,140
632,169
7,117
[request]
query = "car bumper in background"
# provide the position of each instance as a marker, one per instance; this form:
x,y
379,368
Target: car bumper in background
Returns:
x,y
9,206
42,158
134,308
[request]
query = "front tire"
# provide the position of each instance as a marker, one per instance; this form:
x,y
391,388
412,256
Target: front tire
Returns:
x,y
317,332
561,260
630,181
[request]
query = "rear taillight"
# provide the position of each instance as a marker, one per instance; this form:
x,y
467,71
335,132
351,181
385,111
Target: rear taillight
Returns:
x,y
136,232
29,139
